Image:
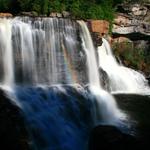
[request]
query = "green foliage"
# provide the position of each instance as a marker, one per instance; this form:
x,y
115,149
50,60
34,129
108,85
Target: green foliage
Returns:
x,y
4,5
85,9
24,4
133,57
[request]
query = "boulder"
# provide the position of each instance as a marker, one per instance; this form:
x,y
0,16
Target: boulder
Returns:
x,y
6,15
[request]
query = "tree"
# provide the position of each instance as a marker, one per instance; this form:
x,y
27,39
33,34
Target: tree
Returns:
x,y
4,5
44,6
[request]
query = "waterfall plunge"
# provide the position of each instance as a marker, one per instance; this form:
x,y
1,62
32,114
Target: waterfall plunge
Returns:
x,y
121,79
105,106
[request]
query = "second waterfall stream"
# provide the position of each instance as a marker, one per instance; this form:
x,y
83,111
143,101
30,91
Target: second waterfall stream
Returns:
x,y
104,103
121,79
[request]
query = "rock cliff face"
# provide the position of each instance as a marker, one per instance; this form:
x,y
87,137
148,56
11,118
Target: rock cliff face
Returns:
x,y
131,35
100,26
13,133
98,29
133,21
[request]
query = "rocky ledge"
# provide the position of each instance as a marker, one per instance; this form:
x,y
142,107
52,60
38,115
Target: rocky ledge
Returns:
x,y
132,20
5,14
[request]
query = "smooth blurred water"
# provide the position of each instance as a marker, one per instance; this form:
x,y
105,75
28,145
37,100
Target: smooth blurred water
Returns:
x,y
121,79
40,51
58,118
104,104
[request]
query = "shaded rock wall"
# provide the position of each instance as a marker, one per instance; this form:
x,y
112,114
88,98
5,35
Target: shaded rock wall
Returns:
x,y
109,137
13,134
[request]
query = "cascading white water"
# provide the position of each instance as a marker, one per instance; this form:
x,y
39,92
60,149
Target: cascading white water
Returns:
x,y
39,51
88,46
6,53
105,106
121,79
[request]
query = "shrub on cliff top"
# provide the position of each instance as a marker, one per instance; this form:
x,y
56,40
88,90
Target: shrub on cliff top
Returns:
x,y
93,9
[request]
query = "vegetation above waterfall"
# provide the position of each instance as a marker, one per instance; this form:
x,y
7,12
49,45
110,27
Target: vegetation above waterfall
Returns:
x,y
93,9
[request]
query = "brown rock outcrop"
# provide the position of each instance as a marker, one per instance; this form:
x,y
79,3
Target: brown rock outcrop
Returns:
x,y
5,14
99,26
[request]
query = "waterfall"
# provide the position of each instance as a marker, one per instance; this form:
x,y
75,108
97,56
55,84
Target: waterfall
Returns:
x,y
40,51
45,61
105,106
6,58
121,79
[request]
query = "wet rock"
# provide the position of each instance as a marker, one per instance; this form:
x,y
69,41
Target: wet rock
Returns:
x,y
148,78
104,79
109,137
55,14
13,134
97,40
